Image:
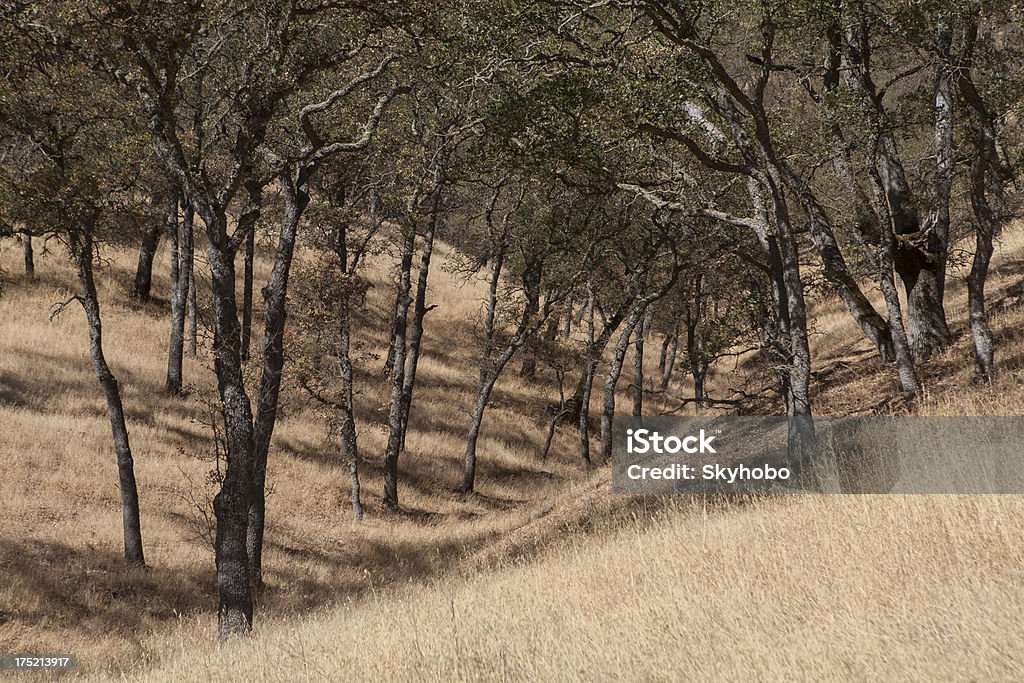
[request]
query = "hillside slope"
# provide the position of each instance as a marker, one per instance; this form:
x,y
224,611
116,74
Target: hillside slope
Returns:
x,y
542,574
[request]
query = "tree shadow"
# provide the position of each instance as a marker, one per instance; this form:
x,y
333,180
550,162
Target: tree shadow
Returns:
x,y
91,591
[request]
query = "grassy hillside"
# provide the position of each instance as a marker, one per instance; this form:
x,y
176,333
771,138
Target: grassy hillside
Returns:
x,y
541,574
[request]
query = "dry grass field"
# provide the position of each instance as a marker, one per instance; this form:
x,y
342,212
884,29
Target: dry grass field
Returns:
x,y
542,574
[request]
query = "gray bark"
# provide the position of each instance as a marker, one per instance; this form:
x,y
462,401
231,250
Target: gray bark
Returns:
x,y
82,250
396,365
294,191
988,180
669,363
179,303
250,248
884,259
612,379
638,363
419,314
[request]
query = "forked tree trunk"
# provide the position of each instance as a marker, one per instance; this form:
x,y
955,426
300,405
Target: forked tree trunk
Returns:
x,y
614,372
901,342
403,300
836,270
231,504
82,249
919,256
419,314
296,198
988,179
179,304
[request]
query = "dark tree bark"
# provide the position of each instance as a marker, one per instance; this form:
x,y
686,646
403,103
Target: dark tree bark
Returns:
x,y
30,262
193,341
638,363
919,257
528,369
485,383
250,248
695,316
82,250
669,364
988,180
567,318
419,314
403,301
884,259
172,236
581,399
144,270
179,303
295,193
346,409
231,504
612,379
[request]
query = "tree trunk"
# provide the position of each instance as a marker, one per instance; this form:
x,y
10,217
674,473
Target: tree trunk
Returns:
x,y
638,364
696,319
988,180
567,320
836,271
528,370
419,313
172,236
250,248
483,396
296,198
179,302
670,361
346,411
144,270
347,435
919,257
901,343
190,348
485,384
83,252
403,301
30,262
614,372
231,504
581,400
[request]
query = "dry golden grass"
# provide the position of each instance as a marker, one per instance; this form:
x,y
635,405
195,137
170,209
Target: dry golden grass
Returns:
x,y
541,575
